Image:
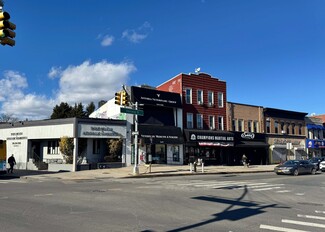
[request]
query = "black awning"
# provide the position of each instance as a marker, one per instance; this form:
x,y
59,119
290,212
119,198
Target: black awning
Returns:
x,y
259,144
152,134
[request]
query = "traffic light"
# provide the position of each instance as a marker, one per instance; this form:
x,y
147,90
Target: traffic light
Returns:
x,y
6,30
124,99
118,98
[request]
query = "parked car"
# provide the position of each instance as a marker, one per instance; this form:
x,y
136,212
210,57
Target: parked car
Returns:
x,y
295,167
322,166
317,161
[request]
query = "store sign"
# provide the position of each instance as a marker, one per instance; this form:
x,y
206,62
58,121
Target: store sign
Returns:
x,y
97,131
248,135
199,137
311,143
155,97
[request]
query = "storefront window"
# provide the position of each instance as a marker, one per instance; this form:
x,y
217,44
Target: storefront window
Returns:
x,y
160,154
175,150
53,147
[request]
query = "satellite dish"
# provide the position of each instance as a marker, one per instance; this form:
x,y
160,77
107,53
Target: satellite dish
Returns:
x,y
197,70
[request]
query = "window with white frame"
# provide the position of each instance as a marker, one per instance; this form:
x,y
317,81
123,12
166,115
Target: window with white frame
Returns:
x,y
211,122
53,147
220,123
240,125
199,121
234,121
188,96
276,127
256,127
189,120
250,126
210,98
199,97
220,100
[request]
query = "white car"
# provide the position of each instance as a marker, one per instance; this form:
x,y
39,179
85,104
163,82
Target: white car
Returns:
x,y
322,166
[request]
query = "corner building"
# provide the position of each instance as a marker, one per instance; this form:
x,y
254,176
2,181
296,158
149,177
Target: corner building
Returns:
x,y
204,117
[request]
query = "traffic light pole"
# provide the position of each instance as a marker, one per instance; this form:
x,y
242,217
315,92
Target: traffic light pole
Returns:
x,y
136,167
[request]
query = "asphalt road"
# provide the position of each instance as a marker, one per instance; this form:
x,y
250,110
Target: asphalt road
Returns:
x,y
243,202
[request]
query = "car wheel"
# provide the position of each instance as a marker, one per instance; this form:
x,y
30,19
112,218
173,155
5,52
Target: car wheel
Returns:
x,y
313,171
296,172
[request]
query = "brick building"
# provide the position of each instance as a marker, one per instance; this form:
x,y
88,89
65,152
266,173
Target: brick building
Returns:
x,y
204,116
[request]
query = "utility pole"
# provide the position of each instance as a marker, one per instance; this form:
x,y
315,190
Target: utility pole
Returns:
x,y
136,167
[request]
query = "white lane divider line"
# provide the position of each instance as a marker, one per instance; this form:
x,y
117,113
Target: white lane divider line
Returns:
x,y
311,217
319,211
300,194
283,191
43,195
265,189
318,225
283,229
3,198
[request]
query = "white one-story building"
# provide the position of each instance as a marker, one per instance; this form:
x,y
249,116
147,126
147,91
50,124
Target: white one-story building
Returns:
x,y
35,144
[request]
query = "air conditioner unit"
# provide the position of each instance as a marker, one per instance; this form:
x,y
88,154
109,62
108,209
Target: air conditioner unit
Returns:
x,y
199,102
210,104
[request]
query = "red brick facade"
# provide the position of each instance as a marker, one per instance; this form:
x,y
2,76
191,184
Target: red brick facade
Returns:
x,y
204,83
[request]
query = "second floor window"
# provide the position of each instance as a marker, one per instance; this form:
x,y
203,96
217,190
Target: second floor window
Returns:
x,y
211,122
210,98
234,125
276,127
300,129
249,126
220,100
188,96
200,97
288,128
189,120
268,127
240,125
220,123
256,128
293,128
199,121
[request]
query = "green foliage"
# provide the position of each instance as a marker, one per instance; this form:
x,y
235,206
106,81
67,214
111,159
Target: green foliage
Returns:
x,y
90,108
114,150
64,110
66,148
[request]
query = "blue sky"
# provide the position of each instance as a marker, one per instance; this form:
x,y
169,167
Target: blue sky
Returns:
x,y
270,53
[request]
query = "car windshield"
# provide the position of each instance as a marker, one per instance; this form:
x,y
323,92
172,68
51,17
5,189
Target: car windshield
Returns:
x,y
291,162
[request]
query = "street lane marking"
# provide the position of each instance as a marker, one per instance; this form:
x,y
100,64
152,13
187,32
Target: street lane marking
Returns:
x,y
265,189
318,211
300,194
303,223
276,228
311,217
43,195
283,191
3,198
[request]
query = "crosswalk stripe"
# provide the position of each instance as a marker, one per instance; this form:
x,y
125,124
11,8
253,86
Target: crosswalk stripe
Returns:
x,y
303,223
284,191
264,189
311,217
283,229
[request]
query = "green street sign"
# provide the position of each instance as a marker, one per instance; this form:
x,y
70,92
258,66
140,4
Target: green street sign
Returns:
x,y
131,111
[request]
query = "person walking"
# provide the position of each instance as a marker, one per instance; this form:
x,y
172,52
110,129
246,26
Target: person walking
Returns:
x,y
12,163
244,160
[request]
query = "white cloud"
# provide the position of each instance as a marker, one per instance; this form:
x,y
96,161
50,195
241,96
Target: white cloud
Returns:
x,y
92,82
82,83
139,34
54,72
107,40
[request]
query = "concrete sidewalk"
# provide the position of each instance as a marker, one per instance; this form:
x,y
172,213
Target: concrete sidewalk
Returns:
x,y
127,172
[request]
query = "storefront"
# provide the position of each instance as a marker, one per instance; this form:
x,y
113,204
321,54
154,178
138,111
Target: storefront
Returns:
x,y
315,147
161,140
253,145
286,148
35,144
214,147
161,144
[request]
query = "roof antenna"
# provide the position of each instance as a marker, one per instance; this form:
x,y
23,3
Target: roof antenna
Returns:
x,y
197,71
